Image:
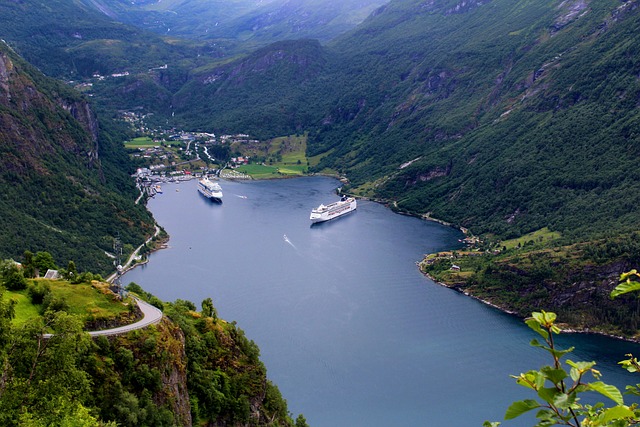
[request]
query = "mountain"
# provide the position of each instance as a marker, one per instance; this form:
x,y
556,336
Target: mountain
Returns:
x,y
69,39
499,116
241,23
191,368
64,177
503,117
265,93
297,19
185,18
514,115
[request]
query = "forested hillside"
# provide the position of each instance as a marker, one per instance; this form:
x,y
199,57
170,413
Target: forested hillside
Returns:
x,y
192,368
500,116
517,115
64,177
67,39
271,84
241,24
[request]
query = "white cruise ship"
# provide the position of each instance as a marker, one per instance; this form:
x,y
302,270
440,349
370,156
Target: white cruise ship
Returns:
x,y
210,189
333,210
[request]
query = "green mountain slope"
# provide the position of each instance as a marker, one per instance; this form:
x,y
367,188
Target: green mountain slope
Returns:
x,y
64,183
241,23
517,115
190,369
502,116
186,18
297,19
266,93
67,38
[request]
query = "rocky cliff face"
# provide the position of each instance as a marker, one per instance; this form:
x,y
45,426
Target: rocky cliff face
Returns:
x,y
60,191
42,117
579,294
174,375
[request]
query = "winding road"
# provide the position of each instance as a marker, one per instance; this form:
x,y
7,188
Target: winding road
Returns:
x,y
150,316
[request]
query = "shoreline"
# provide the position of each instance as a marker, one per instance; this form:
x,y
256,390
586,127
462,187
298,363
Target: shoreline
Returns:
x,y
564,328
568,329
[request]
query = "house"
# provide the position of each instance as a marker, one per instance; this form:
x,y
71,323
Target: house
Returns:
x,y
52,275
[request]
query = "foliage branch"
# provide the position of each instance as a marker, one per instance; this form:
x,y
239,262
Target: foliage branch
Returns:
x,y
559,386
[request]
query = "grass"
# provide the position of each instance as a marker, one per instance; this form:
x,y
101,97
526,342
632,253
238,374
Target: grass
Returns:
x,y
544,235
315,160
140,142
290,152
24,310
259,171
89,301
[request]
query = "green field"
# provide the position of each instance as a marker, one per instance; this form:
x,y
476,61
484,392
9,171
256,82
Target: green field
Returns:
x,y
87,301
285,156
259,171
313,161
24,310
544,235
140,142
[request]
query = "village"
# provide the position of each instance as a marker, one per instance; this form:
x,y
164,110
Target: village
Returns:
x,y
175,155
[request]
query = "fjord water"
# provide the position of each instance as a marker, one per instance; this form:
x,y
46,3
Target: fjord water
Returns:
x,y
349,329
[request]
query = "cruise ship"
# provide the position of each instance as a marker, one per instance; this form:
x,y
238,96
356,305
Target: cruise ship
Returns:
x,y
334,210
210,189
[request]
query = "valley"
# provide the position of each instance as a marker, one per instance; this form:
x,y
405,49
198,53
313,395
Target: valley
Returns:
x,y
516,121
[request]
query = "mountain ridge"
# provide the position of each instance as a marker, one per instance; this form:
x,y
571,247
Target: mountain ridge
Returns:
x,y
65,189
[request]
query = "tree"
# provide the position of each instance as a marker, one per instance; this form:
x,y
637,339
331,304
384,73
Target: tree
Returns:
x,y
43,261
72,271
558,391
208,310
7,312
27,264
13,278
301,421
42,381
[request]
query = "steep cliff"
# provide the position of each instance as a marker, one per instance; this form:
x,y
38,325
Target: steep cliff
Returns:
x,y
64,188
574,281
191,369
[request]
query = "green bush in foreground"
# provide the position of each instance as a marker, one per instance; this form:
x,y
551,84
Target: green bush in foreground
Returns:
x,y
558,391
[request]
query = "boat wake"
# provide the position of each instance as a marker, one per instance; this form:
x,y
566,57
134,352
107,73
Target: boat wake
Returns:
x,y
286,239
242,197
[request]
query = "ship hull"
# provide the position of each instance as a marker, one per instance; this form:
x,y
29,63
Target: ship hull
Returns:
x,y
210,190
333,211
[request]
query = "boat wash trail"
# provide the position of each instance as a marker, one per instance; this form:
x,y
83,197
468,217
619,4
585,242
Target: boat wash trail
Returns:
x,y
349,329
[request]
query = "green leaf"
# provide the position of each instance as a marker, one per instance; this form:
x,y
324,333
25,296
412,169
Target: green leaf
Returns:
x,y
616,413
625,288
548,394
492,424
564,400
633,389
579,368
535,325
554,375
545,319
520,407
607,390
559,353
532,379
535,343
628,274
